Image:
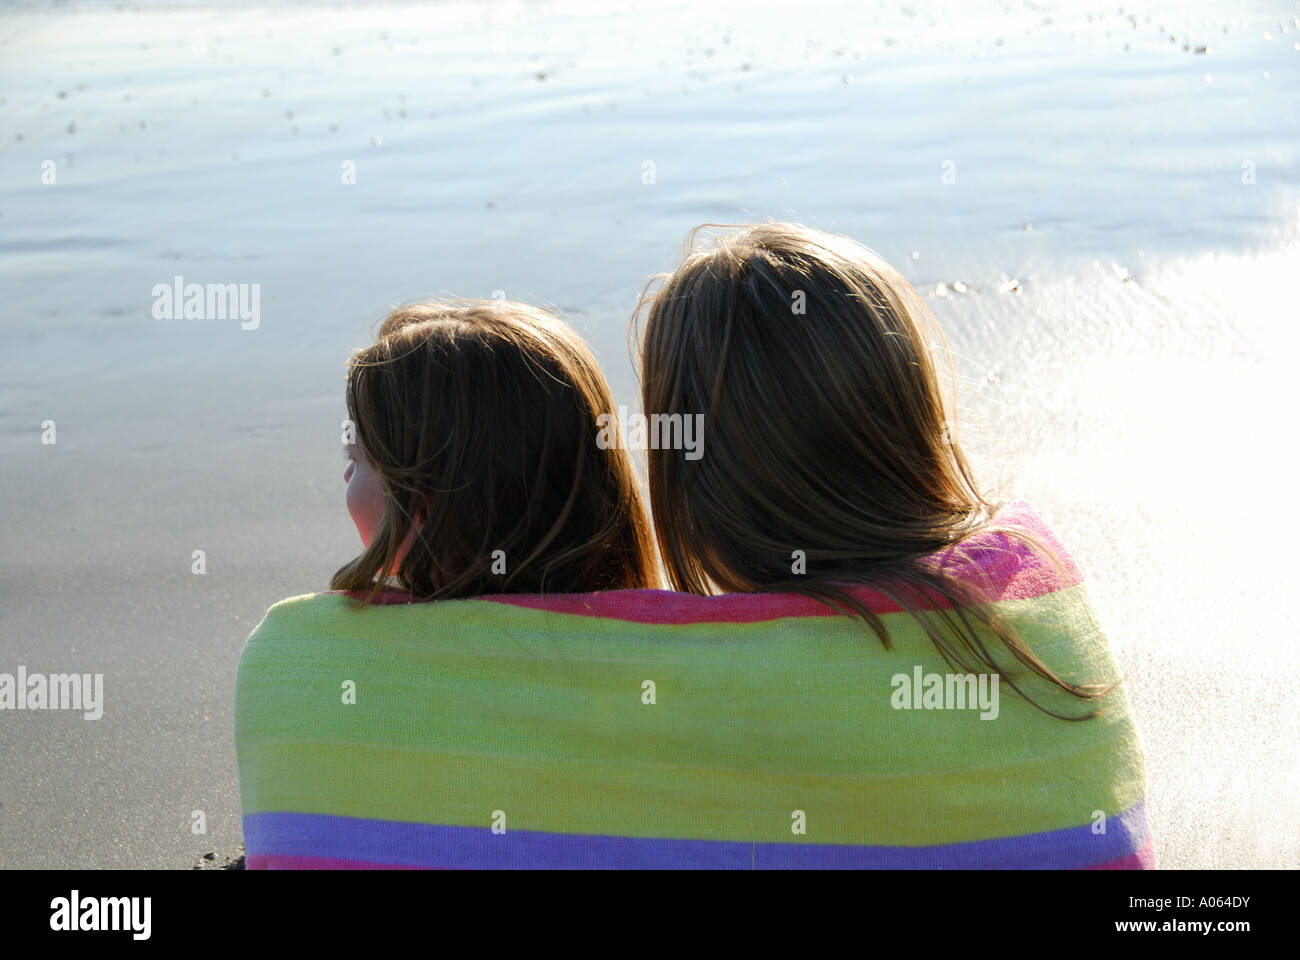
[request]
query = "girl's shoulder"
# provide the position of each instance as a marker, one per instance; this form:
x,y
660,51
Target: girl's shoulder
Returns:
x,y
306,616
1006,556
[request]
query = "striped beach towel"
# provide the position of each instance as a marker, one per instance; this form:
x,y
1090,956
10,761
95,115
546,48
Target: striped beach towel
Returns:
x,y
652,729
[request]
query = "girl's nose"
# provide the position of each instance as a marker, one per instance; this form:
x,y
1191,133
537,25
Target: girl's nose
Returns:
x,y
347,474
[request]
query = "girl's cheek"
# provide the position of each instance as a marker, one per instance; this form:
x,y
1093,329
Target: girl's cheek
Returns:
x,y
362,506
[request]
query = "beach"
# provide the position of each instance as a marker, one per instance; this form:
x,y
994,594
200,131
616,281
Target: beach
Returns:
x,y
1101,206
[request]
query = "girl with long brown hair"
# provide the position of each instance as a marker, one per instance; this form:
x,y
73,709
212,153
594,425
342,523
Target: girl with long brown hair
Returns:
x,y
831,476
475,467
829,438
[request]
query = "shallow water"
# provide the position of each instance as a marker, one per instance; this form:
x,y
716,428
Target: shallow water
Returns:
x,y
1130,383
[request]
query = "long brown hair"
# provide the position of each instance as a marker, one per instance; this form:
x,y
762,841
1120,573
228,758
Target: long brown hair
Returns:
x,y
826,431
480,418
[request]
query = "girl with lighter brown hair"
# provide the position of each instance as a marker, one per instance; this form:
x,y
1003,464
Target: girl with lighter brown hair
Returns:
x,y
475,467
828,439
